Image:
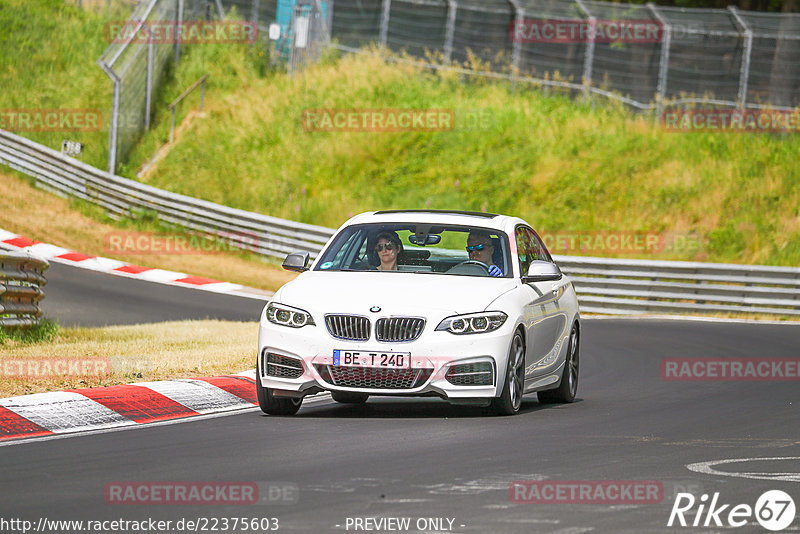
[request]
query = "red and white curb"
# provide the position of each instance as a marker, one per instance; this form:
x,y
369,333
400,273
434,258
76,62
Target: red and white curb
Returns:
x,y
81,410
57,254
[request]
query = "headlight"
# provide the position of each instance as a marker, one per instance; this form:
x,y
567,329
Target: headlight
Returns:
x,y
473,323
288,316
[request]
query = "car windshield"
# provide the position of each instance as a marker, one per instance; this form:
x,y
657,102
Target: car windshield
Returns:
x,y
423,248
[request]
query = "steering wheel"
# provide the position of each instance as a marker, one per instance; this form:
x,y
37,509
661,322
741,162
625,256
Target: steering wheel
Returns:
x,y
476,263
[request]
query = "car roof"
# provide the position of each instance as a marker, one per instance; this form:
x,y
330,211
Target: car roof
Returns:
x,y
454,217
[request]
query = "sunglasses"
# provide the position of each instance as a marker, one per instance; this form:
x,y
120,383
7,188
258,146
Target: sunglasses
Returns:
x,y
476,247
387,246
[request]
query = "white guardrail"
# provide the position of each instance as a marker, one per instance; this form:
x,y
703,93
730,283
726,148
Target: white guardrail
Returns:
x,y
21,281
611,286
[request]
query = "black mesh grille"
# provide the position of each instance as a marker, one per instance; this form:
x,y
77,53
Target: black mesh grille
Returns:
x,y
399,328
471,374
373,377
350,327
283,366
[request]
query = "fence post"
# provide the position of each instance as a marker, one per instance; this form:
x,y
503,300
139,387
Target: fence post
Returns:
x,y
179,32
666,41
449,32
148,86
254,16
387,7
589,58
516,44
744,74
220,10
293,53
114,124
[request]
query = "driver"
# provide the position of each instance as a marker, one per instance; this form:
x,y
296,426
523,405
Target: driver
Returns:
x,y
389,250
480,248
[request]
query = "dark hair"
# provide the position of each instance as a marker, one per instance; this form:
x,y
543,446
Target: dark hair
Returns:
x,y
481,234
392,237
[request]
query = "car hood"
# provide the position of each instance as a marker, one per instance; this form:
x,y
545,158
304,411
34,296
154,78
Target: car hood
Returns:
x,y
394,293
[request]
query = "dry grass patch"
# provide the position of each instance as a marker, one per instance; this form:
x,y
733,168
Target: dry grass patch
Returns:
x,y
123,354
66,227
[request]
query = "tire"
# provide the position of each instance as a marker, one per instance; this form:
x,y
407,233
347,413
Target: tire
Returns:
x,y
568,388
510,400
345,397
272,405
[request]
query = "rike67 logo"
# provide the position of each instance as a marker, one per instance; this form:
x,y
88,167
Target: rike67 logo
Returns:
x,y
774,510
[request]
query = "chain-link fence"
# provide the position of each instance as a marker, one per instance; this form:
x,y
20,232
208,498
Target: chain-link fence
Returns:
x,y
646,56
136,65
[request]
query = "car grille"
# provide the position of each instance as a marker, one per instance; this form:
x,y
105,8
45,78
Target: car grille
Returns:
x,y
471,374
283,366
350,327
373,377
399,328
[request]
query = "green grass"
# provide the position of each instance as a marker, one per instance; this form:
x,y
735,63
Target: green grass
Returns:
x,y
42,332
560,163
48,50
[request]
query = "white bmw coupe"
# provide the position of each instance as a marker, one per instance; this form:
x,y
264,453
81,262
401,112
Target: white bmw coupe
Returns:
x,y
465,306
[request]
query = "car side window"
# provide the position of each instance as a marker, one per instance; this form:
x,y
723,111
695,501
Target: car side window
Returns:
x,y
542,250
529,248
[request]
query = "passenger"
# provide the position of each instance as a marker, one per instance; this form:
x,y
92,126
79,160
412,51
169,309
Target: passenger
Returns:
x,y
388,249
481,248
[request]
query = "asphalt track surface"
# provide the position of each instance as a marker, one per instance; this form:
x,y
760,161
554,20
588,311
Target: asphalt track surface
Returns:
x,y
80,297
415,459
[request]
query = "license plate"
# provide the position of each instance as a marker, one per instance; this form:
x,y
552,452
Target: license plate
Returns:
x,y
353,358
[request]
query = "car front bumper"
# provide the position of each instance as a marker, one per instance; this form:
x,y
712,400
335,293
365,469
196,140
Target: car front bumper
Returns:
x,y
435,356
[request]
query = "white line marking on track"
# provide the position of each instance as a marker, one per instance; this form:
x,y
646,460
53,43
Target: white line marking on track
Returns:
x,y
236,410
46,250
63,411
5,234
196,395
707,468
248,408
102,264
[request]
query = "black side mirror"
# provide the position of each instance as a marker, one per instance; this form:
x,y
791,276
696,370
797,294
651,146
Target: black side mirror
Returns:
x,y
296,261
542,271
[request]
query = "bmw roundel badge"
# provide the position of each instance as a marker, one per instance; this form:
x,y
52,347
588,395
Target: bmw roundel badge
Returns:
x,y
375,309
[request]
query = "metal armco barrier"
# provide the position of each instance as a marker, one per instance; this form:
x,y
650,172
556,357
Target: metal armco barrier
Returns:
x,y
604,285
21,282
618,286
121,197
